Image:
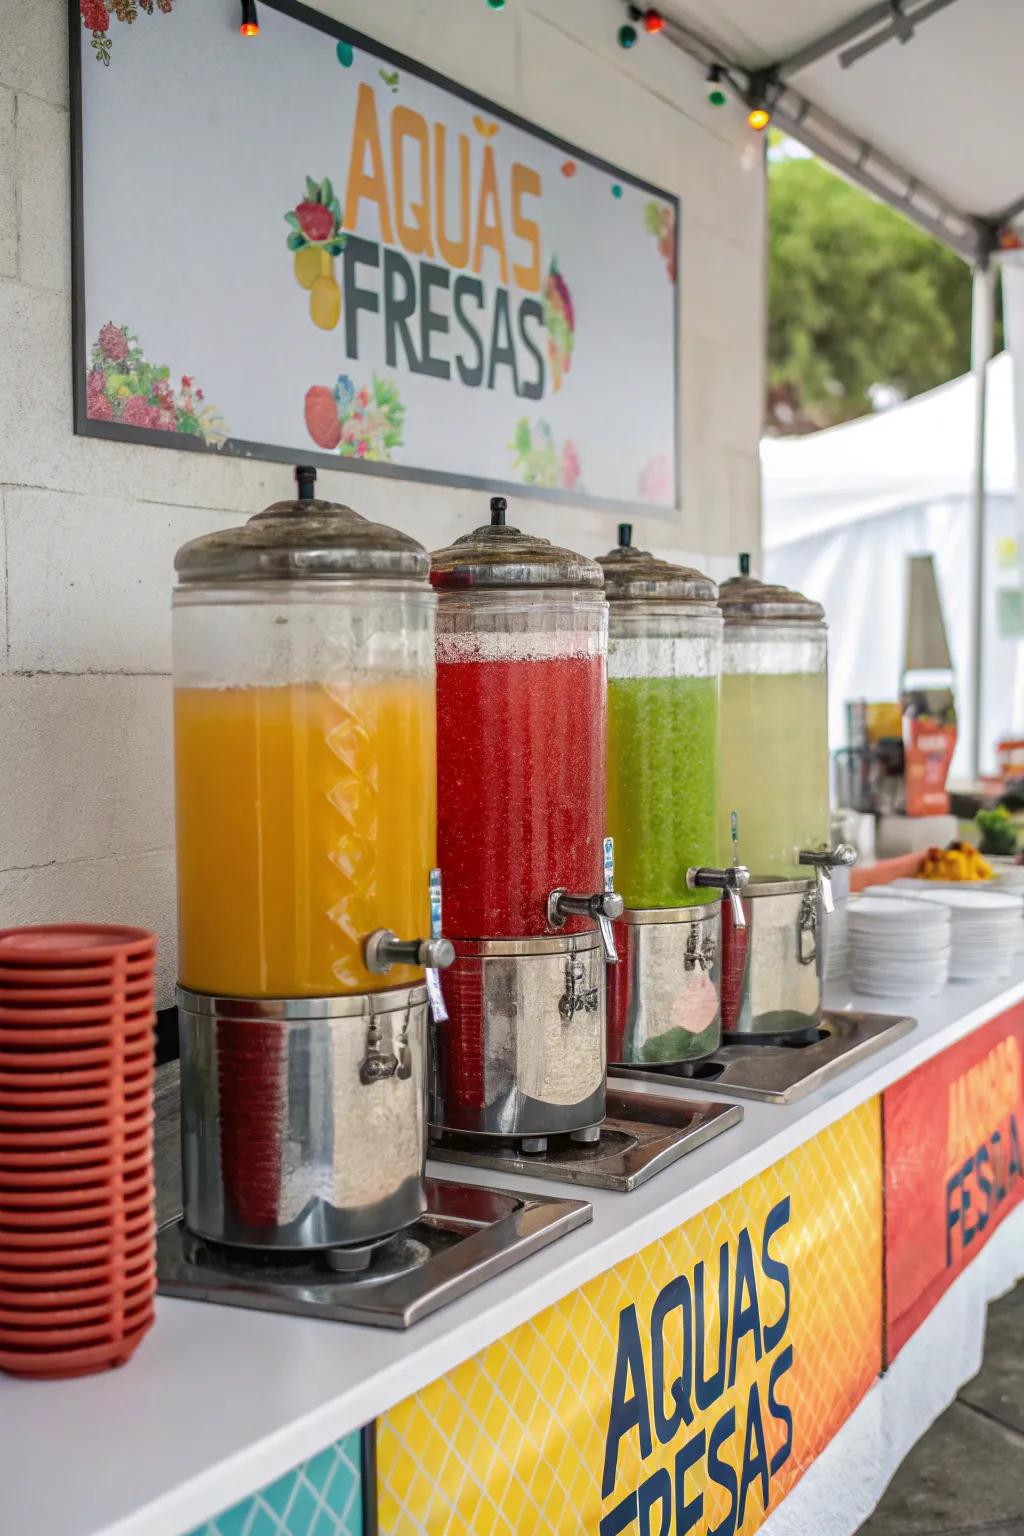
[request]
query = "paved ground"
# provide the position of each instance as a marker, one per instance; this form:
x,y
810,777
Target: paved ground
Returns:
x,y
966,1477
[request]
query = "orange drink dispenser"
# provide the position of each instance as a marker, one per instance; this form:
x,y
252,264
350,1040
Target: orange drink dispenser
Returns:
x,y
308,900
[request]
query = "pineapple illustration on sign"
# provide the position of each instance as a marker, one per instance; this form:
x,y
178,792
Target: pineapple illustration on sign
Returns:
x,y
316,239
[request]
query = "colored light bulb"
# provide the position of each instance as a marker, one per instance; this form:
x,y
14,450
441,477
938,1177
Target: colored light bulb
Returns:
x,y
759,118
627,36
654,21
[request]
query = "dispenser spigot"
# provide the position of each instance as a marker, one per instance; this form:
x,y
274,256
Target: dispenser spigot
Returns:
x,y
604,907
730,880
824,861
384,949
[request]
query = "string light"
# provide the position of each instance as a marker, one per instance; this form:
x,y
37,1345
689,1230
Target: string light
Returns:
x,y
654,21
759,118
716,95
250,21
627,36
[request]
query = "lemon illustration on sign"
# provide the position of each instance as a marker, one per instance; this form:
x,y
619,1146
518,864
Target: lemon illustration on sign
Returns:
x,y
307,266
315,239
325,303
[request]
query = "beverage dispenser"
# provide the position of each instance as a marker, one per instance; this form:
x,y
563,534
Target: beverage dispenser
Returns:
x,y
521,645
304,719
664,659
775,777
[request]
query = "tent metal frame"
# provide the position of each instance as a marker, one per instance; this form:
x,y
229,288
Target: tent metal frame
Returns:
x,y
972,236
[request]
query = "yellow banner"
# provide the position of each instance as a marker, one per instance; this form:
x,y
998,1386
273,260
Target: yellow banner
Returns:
x,y
687,1389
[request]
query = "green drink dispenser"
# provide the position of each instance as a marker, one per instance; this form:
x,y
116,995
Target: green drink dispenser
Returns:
x,y
664,662
775,778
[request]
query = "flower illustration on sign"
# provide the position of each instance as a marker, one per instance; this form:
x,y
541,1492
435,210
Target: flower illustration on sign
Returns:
x,y
98,14
537,459
316,239
560,323
122,387
361,424
660,221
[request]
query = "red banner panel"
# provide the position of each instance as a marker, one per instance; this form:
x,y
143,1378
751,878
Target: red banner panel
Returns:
x,y
954,1131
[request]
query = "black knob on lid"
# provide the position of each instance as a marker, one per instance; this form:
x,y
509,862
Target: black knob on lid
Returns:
x,y
744,565
499,506
625,535
305,479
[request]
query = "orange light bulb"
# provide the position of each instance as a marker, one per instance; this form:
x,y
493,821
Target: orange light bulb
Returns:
x,y
249,29
759,118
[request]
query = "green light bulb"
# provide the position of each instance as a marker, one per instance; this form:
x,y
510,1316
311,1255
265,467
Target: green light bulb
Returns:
x,y
627,36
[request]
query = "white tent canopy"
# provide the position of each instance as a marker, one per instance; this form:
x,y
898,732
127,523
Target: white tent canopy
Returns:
x,y
844,507
932,120
918,453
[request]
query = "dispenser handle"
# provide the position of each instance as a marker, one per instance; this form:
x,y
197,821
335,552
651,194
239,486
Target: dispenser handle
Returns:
x,y
730,880
383,949
603,907
824,861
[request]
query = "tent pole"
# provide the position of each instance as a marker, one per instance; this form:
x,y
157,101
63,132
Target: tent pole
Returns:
x,y
982,318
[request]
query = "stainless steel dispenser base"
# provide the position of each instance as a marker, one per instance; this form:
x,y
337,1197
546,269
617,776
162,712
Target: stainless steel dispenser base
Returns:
x,y
780,1073
643,1134
466,1235
663,996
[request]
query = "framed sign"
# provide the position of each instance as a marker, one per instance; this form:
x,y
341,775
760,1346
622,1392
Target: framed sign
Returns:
x,y
303,246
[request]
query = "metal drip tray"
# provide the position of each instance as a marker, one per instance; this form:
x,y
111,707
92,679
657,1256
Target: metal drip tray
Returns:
x,y
642,1134
780,1073
467,1235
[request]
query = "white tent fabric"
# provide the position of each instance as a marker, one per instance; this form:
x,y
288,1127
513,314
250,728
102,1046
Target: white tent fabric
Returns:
x,y
844,507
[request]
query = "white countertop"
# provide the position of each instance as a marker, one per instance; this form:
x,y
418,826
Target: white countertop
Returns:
x,y
219,1401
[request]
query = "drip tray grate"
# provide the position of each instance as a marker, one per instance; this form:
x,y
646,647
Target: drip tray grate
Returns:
x,y
642,1134
780,1072
467,1235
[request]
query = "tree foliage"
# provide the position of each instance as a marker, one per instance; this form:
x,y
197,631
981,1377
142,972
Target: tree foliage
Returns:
x,y
858,297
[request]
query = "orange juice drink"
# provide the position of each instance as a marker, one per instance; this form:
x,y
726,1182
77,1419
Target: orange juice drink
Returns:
x,y
305,819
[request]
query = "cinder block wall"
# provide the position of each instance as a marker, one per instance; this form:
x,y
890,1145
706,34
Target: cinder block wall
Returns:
x,y
88,529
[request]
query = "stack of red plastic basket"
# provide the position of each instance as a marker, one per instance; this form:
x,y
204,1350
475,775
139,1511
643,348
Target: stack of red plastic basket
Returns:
x,y
77,1206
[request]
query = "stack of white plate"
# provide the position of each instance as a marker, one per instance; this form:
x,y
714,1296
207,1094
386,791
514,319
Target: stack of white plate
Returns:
x,y
837,944
986,929
1008,881
899,946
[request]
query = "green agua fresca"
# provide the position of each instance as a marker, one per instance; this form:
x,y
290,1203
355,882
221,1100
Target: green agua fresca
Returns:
x,y
662,786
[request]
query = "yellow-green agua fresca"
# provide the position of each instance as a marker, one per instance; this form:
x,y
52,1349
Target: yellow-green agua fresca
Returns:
x,y
662,786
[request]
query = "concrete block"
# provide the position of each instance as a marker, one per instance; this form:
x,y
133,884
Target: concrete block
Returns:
x,y
744,470
721,287
86,765
90,579
34,49
44,208
8,196
661,72
136,889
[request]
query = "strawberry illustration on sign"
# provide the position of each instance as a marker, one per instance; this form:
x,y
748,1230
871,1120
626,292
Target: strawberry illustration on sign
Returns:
x,y
316,239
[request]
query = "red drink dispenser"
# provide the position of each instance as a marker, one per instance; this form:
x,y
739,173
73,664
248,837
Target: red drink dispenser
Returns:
x,y
521,648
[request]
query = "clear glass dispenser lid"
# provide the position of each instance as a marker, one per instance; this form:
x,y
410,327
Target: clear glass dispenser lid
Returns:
x,y
500,556
304,540
635,575
745,600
